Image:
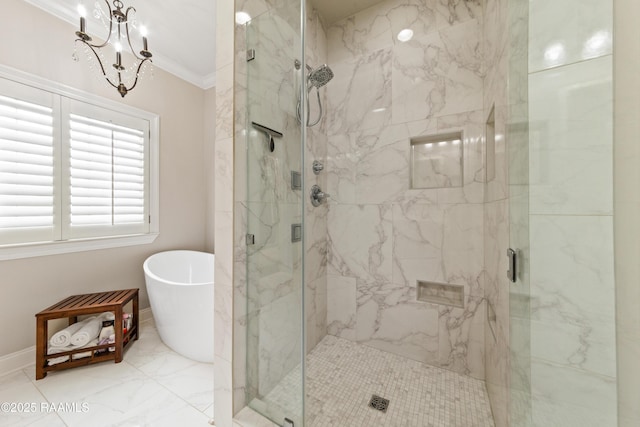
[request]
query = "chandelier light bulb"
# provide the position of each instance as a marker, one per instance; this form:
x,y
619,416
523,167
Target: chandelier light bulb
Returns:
x,y
143,31
82,33
118,46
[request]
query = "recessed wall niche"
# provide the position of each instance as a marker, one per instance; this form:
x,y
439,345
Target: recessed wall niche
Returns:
x,y
440,293
436,161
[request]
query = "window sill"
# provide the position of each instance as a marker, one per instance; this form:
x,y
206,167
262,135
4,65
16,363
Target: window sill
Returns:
x,y
54,248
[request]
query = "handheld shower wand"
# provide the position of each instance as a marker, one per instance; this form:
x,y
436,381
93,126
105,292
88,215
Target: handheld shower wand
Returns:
x,y
316,78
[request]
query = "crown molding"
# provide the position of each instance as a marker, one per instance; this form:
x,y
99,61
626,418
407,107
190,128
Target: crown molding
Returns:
x,y
208,81
173,67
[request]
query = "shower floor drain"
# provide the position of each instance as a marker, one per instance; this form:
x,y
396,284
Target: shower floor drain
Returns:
x,y
379,403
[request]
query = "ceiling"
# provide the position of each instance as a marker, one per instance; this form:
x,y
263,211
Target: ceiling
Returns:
x,y
181,33
334,10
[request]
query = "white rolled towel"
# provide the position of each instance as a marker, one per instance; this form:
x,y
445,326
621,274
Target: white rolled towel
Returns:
x,y
108,315
60,359
56,360
54,350
63,338
86,353
90,330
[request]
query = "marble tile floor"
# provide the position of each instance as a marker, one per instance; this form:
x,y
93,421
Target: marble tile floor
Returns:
x,y
343,375
152,386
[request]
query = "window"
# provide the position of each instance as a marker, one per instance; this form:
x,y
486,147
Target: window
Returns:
x,y
76,172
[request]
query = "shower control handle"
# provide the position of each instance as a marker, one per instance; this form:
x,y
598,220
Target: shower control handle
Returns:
x,y
318,197
317,167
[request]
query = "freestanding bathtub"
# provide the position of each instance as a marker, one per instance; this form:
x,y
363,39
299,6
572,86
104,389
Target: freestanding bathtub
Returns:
x,y
180,288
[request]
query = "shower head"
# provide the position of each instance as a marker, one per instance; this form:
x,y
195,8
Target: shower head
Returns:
x,y
315,78
320,76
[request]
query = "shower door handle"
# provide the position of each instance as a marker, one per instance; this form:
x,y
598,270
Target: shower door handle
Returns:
x,y
513,259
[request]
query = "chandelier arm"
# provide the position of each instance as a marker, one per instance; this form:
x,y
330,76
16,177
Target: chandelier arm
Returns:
x,y
138,73
126,26
104,74
92,47
110,82
106,42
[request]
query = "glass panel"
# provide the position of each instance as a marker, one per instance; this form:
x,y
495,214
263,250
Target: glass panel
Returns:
x,y
518,167
571,282
274,256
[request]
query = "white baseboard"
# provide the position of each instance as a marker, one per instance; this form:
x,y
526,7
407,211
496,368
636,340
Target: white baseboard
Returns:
x,y
13,362
145,314
16,361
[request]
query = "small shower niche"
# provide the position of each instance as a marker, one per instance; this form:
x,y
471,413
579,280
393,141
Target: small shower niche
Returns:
x,y
436,161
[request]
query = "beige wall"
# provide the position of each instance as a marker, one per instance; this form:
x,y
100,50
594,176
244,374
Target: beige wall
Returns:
x,y
38,43
210,164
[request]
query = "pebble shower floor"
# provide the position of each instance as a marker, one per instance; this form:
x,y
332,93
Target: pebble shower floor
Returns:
x,y
342,376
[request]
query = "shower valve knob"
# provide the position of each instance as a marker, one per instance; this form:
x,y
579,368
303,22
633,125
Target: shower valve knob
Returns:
x,y
318,197
317,167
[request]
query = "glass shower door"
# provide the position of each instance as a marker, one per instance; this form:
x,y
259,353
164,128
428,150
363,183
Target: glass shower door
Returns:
x,y
518,167
274,258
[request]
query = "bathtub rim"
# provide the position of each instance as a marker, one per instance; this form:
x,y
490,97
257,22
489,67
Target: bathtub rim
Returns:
x,y
154,276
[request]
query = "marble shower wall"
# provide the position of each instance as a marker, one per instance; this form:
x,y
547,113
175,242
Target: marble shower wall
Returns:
x,y
315,218
573,336
383,235
498,55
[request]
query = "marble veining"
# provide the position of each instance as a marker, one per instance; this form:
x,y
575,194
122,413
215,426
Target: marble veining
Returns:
x,y
438,74
574,292
360,98
382,235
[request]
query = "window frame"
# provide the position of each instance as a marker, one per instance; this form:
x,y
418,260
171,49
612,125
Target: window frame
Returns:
x,y
34,249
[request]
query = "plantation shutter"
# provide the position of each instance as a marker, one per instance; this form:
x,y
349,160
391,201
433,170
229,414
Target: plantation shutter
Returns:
x,y
27,177
108,191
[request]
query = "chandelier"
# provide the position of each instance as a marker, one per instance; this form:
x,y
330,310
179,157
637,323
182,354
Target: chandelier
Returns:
x,y
118,23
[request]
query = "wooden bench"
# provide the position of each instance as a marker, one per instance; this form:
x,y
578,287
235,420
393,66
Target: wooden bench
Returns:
x,y
78,305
